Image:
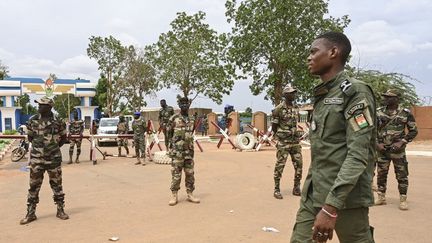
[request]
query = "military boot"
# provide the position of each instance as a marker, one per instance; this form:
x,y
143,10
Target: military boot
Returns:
x,y
60,212
77,160
191,198
127,151
173,200
381,199
138,161
403,205
70,159
31,214
277,194
119,152
296,189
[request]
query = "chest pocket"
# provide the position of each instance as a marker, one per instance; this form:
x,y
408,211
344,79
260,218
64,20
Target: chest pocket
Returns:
x,y
334,125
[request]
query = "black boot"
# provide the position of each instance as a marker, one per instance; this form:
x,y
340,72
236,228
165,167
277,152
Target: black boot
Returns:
x,y
60,212
296,189
31,214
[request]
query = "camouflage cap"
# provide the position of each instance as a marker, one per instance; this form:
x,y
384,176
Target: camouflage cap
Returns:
x,y
288,89
45,101
392,93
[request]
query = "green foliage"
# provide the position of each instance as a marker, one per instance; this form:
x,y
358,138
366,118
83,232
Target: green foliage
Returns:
x,y
3,71
10,132
270,41
381,82
24,102
247,112
191,57
101,92
63,106
110,56
138,80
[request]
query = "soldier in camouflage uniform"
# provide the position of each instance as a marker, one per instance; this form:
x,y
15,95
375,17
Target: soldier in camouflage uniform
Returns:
x,y
284,124
122,128
139,129
181,127
165,114
76,127
392,141
47,133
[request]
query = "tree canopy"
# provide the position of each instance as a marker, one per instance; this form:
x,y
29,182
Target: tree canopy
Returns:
x,y
270,40
24,102
63,106
191,57
3,71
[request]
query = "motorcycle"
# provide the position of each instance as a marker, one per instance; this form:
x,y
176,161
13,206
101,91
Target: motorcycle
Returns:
x,y
19,152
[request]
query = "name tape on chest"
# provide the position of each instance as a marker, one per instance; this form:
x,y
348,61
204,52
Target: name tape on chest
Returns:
x,y
333,101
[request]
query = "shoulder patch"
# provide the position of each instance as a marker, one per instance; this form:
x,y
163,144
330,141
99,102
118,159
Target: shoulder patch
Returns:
x,y
355,108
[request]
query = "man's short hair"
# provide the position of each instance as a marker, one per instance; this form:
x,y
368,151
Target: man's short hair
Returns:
x,y
162,100
340,40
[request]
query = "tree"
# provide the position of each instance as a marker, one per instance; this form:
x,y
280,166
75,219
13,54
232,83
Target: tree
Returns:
x,y
24,102
3,71
110,55
381,82
191,57
63,106
138,80
101,93
270,40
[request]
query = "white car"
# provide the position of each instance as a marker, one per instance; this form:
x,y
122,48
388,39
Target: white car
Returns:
x,y
107,126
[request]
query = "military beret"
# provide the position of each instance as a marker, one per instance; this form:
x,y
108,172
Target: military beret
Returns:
x,y
137,113
391,93
45,101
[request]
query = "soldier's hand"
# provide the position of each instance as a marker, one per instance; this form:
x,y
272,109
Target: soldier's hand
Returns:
x,y
324,225
380,147
397,146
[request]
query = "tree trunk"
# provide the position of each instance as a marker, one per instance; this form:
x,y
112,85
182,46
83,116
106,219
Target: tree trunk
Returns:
x,y
277,92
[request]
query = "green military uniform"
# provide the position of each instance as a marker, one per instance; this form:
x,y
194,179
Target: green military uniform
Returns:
x,y
342,138
182,151
46,137
286,118
139,129
122,128
76,127
205,127
391,129
164,117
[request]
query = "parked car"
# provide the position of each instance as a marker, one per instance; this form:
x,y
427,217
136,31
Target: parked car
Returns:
x,y
107,126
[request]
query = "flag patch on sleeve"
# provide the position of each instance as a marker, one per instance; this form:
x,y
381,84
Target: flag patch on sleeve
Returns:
x,y
361,121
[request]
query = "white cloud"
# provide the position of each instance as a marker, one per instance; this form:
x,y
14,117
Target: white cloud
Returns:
x,y
425,46
429,66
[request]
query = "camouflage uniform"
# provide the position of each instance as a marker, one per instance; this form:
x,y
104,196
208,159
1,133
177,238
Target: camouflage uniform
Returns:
x,y
288,142
122,128
392,129
139,128
205,127
182,151
76,127
164,117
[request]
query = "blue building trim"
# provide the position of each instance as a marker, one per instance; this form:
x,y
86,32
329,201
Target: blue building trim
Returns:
x,y
4,101
86,89
17,118
82,101
78,110
41,81
9,88
97,114
1,119
13,100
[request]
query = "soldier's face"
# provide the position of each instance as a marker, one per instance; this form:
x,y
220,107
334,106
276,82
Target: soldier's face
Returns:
x,y
390,100
321,57
44,108
184,107
163,103
290,96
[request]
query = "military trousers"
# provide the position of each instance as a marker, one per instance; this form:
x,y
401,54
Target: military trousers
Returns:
x,y
400,164
177,166
283,151
140,145
37,172
352,225
74,142
167,135
122,142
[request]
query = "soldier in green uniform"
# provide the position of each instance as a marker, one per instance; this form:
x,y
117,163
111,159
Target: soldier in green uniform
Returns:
x,y
284,124
392,141
47,133
76,127
181,152
122,128
337,191
205,125
165,114
139,129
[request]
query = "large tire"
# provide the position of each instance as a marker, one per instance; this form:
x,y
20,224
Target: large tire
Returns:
x,y
17,154
160,157
245,141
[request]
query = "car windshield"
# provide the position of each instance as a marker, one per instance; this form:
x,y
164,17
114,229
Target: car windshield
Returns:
x,y
108,122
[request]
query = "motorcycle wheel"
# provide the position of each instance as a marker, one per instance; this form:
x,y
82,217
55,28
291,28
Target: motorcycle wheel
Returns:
x,y
18,154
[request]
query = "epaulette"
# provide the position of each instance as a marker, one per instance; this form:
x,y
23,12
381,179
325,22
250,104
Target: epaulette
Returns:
x,y
346,87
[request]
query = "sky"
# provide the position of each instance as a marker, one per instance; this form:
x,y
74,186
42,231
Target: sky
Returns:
x,y
39,37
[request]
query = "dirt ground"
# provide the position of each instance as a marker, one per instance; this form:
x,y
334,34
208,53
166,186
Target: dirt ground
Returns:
x,y
117,198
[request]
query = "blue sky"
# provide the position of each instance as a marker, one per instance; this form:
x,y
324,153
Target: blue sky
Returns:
x,y
46,36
